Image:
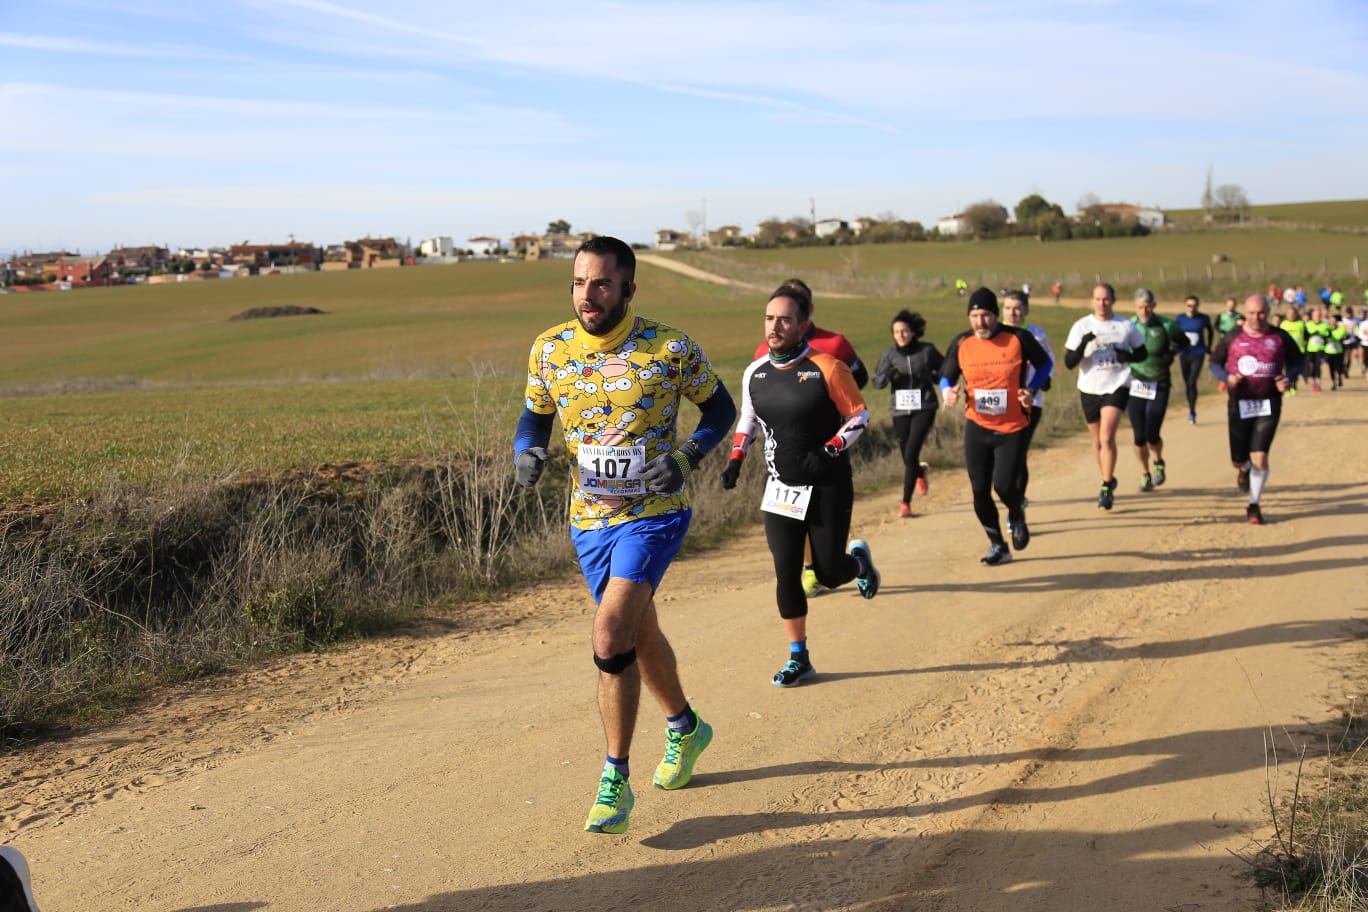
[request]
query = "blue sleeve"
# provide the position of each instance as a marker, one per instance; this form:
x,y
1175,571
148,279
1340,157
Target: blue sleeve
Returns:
x,y
717,413
534,430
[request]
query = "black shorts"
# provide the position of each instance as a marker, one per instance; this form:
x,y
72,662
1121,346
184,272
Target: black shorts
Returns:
x,y
1252,435
1094,403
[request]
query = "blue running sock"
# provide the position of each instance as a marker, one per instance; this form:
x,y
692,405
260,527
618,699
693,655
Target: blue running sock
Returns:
x,y
799,651
685,722
619,764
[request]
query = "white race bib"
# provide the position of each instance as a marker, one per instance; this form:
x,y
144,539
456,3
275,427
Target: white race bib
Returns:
x,y
907,400
786,500
612,470
1256,408
1144,389
990,401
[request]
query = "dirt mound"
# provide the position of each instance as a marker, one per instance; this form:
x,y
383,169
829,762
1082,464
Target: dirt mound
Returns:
x,y
286,310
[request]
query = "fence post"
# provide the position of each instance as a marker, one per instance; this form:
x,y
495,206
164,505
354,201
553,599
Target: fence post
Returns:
x,y
1356,272
1209,275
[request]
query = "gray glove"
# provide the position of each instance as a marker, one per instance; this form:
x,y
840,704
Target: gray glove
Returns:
x,y
528,466
666,474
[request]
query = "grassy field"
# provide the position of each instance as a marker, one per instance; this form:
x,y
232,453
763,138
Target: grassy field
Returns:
x,y
1221,262
143,383
1330,213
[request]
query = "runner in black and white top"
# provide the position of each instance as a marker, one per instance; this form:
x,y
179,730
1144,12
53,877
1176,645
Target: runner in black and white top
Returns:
x,y
910,367
811,411
1102,346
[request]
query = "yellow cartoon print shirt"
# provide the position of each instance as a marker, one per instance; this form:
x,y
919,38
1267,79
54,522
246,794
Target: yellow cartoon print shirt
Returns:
x,y
618,398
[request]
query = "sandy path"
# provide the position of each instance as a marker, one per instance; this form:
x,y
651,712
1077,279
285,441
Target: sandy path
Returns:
x,y
1079,730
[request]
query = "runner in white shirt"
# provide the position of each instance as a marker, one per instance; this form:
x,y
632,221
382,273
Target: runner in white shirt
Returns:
x,y
1102,346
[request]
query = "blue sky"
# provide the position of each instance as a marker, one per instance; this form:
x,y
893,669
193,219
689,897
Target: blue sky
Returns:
x,y
195,124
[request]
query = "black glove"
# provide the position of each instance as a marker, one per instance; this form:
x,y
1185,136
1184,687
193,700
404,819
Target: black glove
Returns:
x,y
667,473
1132,355
731,473
1087,337
528,466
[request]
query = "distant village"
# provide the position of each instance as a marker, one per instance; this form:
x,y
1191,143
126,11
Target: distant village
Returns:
x,y
66,270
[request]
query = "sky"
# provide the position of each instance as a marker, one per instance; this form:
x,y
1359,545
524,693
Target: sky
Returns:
x,y
216,123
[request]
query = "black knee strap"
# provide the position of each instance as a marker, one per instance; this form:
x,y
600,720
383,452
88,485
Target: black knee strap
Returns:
x,y
618,663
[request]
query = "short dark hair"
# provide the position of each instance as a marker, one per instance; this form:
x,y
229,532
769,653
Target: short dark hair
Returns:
x,y
1193,298
1017,294
915,321
795,293
620,251
800,288
1111,292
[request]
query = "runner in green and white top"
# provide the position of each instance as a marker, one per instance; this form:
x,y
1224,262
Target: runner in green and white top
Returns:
x,y
1150,385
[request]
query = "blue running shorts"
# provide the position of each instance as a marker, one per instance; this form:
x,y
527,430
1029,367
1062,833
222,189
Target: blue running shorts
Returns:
x,y
639,550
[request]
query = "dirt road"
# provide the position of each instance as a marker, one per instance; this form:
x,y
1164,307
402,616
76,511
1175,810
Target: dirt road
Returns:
x,y
1082,729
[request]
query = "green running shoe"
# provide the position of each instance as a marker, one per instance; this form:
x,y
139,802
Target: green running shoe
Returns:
x,y
613,805
676,769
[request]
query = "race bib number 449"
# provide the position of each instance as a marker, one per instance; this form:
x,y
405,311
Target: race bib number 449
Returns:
x,y
612,470
990,401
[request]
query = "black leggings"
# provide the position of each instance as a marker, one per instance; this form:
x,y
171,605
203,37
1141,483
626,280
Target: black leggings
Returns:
x,y
1147,416
827,525
1191,366
994,463
911,430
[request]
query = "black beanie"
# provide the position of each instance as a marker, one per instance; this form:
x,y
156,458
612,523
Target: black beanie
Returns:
x,y
983,299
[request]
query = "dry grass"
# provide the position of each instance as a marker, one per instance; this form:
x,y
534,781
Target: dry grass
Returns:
x,y
1317,859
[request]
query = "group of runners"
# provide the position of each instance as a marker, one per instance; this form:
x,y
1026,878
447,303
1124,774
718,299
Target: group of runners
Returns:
x,y
617,379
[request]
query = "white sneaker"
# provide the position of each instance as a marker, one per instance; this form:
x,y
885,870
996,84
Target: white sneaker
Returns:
x,y
16,892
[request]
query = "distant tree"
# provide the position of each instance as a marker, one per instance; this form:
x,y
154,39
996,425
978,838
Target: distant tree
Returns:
x,y
1034,211
559,226
206,266
1230,201
694,219
987,219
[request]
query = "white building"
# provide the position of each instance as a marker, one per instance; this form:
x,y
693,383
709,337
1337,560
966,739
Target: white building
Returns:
x,y
828,227
438,246
483,246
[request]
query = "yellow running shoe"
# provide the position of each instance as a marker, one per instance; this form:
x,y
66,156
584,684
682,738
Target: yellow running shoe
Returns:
x,y
676,769
613,805
810,585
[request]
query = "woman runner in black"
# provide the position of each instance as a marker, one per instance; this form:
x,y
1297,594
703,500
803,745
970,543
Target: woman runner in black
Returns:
x,y
911,367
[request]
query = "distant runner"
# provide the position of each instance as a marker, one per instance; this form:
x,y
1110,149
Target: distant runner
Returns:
x,y
911,368
1200,335
1102,345
1150,386
994,360
1256,362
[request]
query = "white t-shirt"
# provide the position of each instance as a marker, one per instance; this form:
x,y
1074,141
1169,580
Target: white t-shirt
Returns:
x,y
1101,372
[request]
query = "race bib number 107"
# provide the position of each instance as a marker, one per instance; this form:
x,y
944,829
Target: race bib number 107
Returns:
x,y
612,470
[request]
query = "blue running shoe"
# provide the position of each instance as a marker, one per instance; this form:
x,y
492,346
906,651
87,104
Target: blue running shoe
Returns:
x,y
869,583
793,673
